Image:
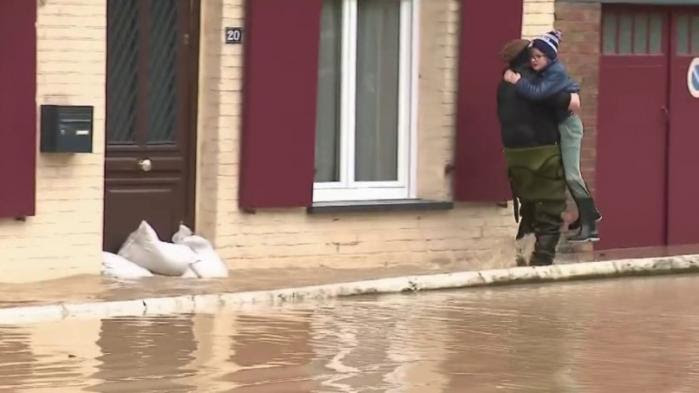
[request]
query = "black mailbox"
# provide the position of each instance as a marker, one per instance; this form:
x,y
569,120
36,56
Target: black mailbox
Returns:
x,y
66,129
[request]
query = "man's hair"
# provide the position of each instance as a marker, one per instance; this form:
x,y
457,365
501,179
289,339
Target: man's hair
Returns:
x,y
513,49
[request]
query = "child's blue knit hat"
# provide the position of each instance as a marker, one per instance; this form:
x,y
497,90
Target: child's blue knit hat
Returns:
x,y
548,43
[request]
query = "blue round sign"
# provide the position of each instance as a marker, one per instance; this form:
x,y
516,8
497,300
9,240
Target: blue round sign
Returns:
x,y
693,78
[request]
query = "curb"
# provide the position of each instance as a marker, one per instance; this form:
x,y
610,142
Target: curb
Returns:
x,y
468,279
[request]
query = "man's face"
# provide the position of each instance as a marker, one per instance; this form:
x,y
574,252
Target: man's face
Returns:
x,y
538,60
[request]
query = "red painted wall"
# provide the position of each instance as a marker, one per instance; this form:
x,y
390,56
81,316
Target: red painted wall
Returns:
x,y
683,160
480,172
17,107
279,103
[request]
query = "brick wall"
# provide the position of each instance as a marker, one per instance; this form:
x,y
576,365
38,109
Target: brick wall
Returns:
x,y
65,236
439,32
538,17
477,233
580,51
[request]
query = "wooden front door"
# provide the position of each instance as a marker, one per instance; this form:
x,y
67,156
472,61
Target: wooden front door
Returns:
x,y
151,116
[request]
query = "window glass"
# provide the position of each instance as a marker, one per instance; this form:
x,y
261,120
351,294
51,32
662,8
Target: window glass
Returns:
x,y
122,84
609,38
640,34
162,73
625,33
378,55
655,34
327,159
363,118
695,34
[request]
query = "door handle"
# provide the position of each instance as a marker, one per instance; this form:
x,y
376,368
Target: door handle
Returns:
x,y
666,113
145,164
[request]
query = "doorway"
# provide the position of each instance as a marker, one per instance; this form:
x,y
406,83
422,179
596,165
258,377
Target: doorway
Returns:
x,y
152,58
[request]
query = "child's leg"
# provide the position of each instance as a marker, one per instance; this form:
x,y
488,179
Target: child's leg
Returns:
x,y
571,130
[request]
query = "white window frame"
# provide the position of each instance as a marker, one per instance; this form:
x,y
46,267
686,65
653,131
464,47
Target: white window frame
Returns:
x,y
404,187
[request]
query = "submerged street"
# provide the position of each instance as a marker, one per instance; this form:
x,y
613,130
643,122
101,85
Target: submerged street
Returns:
x,y
624,335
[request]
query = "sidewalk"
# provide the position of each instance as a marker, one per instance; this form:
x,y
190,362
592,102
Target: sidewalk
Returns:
x,y
94,296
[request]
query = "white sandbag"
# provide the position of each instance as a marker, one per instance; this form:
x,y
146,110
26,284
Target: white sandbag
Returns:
x,y
118,267
189,273
210,264
181,233
145,249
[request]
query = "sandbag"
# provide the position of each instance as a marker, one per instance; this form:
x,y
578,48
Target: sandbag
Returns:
x,y
189,273
210,264
118,267
181,233
144,248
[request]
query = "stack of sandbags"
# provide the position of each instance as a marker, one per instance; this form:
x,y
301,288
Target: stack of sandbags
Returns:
x,y
144,248
143,254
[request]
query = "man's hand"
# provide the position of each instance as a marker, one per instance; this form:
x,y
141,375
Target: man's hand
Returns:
x,y
511,76
574,105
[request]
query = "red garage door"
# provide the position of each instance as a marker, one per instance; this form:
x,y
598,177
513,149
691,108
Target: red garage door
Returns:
x,y
646,165
683,181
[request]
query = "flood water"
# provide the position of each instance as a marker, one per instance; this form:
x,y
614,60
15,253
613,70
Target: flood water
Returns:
x,y
626,335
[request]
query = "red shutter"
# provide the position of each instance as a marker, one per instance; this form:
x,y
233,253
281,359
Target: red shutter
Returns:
x,y
480,173
279,101
17,107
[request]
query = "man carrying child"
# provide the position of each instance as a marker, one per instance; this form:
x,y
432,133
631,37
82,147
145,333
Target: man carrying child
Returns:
x,y
529,133
548,80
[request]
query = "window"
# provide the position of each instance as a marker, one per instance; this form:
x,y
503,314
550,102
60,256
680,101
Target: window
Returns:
x,y
637,33
365,100
687,34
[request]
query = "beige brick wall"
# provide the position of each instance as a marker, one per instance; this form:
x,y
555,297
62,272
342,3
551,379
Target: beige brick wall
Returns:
x,y
478,233
581,54
65,236
538,17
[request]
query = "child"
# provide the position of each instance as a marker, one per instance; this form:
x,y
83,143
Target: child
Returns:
x,y
551,79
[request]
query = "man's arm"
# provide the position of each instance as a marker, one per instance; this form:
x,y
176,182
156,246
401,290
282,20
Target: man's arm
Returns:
x,y
548,85
560,102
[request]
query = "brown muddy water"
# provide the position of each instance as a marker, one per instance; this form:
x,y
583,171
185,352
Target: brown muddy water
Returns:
x,y
626,335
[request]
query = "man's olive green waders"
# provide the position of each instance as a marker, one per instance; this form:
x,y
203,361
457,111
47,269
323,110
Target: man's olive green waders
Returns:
x,y
536,176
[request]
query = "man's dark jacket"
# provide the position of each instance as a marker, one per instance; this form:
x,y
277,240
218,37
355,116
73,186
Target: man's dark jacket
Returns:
x,y
526,123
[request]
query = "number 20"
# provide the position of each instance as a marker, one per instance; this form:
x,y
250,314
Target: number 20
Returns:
x,y
233,35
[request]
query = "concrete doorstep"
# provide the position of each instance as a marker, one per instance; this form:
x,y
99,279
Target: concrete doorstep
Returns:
x,y
415,283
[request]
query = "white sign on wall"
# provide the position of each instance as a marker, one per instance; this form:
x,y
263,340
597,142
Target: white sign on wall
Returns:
x,y
693,78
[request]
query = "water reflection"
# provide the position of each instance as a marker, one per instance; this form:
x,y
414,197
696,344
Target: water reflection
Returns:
x,y
43,356
272,353
17,360
521,346
613,336
656,334
145,354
